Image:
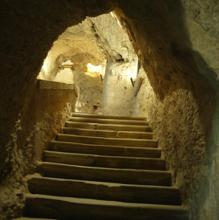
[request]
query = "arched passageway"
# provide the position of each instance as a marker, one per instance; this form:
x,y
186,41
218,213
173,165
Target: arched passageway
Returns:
x,y
169,39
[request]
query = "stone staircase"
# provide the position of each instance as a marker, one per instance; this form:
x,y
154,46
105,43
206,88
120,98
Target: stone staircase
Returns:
x,y
103,167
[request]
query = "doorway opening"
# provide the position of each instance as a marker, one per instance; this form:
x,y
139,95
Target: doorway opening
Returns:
x,y
98,57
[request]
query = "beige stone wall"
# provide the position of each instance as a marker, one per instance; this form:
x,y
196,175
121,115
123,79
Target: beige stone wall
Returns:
x,y
177,42
179,96
46,109
118,89
179,129
122,64
28,33
89,93
192,155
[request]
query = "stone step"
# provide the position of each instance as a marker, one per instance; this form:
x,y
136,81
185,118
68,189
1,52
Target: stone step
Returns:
x,y
104,161
107,141
109,121
75,114
104,190
45,206
104,150
108,133
26,218
115,127
133,176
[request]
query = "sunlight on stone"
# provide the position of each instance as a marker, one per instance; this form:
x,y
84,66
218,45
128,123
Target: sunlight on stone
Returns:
x,y
65,75
44,70
95,71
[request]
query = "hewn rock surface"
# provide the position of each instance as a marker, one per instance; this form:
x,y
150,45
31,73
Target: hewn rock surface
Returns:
x,y
177,100
45,111
177,42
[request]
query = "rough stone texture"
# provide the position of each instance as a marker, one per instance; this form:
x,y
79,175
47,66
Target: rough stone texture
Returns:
x,y
177,100
28,32
177,41
77,43
44,114
113,37
90,92
184,144
181,136
201,19
118,89
122,64
92,41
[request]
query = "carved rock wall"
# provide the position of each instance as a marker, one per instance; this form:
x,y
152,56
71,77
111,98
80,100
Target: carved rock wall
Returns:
x,y
177,42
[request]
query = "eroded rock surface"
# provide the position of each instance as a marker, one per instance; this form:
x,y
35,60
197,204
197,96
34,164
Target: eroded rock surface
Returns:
x,y
177,42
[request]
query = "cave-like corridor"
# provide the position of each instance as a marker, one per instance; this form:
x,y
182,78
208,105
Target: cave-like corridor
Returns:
x,y
109,109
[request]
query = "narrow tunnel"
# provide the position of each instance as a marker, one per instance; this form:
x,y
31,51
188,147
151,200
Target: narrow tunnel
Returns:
x,y
140,59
